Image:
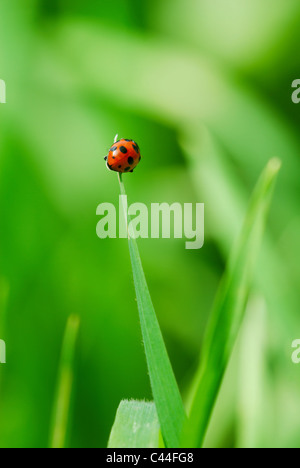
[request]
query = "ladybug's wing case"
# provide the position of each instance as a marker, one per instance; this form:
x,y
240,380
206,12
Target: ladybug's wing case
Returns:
x,y
123,156
114,158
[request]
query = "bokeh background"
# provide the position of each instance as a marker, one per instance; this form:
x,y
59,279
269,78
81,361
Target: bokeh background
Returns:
x,y
204,87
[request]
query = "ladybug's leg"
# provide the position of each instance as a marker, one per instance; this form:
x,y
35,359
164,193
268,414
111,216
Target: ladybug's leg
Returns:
x,y
105,158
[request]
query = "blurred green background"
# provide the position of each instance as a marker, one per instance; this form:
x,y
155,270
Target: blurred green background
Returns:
x,y
204,87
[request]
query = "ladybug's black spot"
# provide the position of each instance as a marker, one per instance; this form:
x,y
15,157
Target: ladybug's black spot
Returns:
x,y
113,148
119,167
130,160
127,169
123,149
135,147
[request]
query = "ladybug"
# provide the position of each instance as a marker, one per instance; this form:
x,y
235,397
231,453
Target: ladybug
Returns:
x,y
123,156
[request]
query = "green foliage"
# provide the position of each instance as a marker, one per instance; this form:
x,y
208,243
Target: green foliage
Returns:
x,y
64,385
209,104
222,331
228,312
136,426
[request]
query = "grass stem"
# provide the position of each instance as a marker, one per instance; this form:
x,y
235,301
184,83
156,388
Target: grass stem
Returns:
x,y
165,391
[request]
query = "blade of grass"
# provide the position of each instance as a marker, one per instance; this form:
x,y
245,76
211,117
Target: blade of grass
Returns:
x,y
136,426
252,410
165,391
64,385
229,309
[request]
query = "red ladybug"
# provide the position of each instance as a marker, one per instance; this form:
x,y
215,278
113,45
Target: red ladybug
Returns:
x,y
123,156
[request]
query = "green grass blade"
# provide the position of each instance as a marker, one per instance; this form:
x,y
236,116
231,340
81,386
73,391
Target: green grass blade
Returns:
x,y
64,385
165,391
136,426
253,389
229,309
